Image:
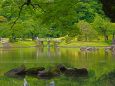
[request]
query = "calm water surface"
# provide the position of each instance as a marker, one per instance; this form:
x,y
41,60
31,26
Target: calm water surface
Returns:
x,y
100,65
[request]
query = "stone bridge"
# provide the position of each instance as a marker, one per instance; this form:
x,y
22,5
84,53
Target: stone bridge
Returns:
x,y
40,42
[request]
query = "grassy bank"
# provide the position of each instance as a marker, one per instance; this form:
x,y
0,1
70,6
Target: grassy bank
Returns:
x,y
0,44
26,43
80,43
29,43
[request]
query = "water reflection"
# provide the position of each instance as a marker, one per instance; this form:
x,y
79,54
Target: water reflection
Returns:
x,y
92,80
25,83
52,83
47,52
100,65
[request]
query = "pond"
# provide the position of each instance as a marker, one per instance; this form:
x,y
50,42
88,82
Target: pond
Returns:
x,y
100,66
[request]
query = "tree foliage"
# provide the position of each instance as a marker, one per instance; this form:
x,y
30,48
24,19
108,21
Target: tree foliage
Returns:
x,y
102,26
88,33
53,18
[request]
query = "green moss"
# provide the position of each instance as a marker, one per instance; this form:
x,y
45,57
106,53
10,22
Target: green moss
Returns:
x,y
56,70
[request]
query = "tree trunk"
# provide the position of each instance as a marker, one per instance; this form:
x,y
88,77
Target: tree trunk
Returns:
x,y
105,36
12,37
32,36
113,35
28,2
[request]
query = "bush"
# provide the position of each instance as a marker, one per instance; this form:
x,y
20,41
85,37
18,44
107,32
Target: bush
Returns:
x,y
109,41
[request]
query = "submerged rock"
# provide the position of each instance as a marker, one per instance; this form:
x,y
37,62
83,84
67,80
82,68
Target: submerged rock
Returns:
x,y
47,75
19,77
34,70
76,72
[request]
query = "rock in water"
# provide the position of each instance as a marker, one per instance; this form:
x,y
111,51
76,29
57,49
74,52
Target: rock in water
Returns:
x,y
76,72
16,73
62,67
83,48
20,70
56,70
92,49
46,74
34,70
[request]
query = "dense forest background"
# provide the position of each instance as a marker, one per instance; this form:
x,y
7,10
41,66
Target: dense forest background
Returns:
x,y
84,19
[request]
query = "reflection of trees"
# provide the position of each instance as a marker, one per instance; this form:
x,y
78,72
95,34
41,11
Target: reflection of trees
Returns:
x,y
47,52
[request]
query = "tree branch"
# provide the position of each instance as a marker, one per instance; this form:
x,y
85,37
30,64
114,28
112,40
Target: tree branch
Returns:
x,y
48,3
40,7
18,15
29,3
33,6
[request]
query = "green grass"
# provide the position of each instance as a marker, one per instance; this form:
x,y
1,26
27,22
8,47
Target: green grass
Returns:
x,y
29,43
80,43
0,44
23,43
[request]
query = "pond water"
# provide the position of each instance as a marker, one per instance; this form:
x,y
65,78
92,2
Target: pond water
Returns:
x,y
100,65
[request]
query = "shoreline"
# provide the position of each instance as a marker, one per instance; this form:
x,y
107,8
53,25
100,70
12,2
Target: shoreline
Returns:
x,y
58,47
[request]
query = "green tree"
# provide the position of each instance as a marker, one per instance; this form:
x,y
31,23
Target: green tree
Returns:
x,y
60,14
52,16
87,32
102,26
113,30
88,8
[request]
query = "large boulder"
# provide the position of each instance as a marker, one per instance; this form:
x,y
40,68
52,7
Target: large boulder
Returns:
x,y
91,48
107,49
76,72
83,48
17,72
88,49
62,67
47,75
56,70
32,71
